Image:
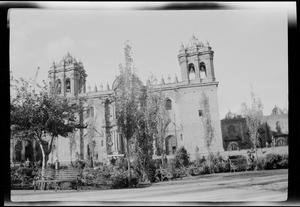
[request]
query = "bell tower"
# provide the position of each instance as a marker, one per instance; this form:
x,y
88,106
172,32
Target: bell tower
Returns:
x,y
196,61
68,77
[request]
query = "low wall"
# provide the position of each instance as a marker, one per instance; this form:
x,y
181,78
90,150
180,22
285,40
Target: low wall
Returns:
x,y
260,152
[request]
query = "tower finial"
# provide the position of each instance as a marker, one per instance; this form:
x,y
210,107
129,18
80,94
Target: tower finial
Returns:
x,y
107,87
175,79
162,80
169,79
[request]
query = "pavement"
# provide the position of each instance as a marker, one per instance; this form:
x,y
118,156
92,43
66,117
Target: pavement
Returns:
x,y
254,186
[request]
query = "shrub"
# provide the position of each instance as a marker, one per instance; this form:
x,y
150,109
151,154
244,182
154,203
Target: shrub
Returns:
x,y
181,158
78,164
272,161
259,165
151,171
276,161
240,162
23,176
284,163
204,169
199,161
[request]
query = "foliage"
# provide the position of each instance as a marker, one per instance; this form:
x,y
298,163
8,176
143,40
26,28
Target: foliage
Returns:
x,y
35,113
182,158
275,161
218,163
128,96
207,123
21,176
253,115
151,171
240,162
107,176
251,161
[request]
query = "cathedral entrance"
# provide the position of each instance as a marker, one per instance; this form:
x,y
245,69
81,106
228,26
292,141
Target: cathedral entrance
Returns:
x,y
171,145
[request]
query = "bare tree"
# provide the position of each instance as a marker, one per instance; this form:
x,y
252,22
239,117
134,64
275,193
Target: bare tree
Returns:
x,y
128,93
253,115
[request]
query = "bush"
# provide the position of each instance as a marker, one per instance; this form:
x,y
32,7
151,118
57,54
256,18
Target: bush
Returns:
x,y
276,161
78,164
240,162
107,176
182,158
204,169
217,163
151,171
259,165
284,163
23,176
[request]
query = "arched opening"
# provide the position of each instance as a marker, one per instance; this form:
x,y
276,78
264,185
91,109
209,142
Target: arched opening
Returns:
x,y
88,150
280,141
28,150
171,145
191,71
232,146
18,149
259,143
168,104
202,70
278,127
68,85
58,86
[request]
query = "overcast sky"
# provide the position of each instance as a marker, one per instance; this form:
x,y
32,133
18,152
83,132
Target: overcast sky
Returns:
x,y
250,47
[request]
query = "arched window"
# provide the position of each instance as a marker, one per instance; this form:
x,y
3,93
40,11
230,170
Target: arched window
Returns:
x,y
191,71
68,85
88,150
278,127
280,141
58,86
171,145
168,105
202,70
232,146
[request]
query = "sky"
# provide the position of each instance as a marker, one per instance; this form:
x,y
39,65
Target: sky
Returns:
x,y
250,47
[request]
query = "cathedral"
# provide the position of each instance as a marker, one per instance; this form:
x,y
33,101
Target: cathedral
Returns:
x,y
183,100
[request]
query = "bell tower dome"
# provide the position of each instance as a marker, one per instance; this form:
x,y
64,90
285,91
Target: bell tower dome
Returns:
x,y
196,61
68,77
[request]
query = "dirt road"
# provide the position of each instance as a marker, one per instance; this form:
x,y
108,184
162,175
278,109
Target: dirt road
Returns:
x,y
262,186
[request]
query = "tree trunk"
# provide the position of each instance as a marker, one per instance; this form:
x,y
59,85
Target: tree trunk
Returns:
x,y
43,160
129,167
255,146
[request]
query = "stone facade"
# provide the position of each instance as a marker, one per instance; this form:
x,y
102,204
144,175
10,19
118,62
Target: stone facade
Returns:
x,y
101,140
274,128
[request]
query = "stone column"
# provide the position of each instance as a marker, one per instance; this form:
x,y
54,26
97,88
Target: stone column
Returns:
x,y
34,150
23,150
197,67
72,82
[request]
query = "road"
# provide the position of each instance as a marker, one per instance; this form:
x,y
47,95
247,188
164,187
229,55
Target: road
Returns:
x,y
262,186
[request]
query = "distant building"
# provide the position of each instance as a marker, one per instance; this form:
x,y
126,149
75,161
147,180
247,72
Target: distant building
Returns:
x,y
235,133
101,140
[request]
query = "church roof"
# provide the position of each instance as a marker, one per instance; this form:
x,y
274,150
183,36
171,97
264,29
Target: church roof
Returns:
x,y
193,43
67,60
230,115
276,111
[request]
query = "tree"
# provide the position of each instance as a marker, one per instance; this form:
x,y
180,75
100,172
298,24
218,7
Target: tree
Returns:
x,y
207,123
209,130
35,113
128,94
157,115
253,115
